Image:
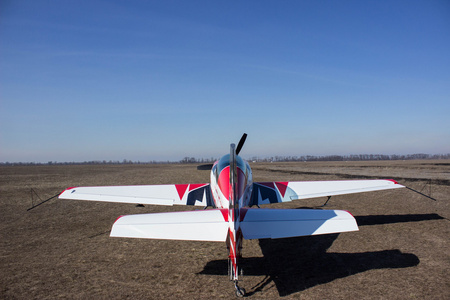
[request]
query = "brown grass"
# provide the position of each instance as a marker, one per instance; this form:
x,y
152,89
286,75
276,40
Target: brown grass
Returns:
x,y
62,249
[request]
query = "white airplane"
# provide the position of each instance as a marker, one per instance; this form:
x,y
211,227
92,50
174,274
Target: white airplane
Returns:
x,y
231,194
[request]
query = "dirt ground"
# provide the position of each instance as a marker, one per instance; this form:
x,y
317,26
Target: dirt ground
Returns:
x,y
62,248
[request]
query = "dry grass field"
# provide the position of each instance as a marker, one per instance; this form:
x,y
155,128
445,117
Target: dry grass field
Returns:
x,y
62,248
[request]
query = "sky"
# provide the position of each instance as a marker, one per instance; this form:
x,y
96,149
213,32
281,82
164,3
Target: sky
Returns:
x,y
164,80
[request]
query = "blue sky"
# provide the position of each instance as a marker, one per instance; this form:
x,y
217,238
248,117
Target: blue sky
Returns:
x,y
161,80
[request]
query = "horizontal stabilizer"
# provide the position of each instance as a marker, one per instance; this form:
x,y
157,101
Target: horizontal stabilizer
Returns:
x,y
204,225
274,192
169,194
282,223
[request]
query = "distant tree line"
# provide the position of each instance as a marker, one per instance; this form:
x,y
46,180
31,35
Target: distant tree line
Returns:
x,y
91,162
193,160
351,157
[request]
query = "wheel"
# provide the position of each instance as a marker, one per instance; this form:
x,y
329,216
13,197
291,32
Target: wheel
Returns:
x,y
240,292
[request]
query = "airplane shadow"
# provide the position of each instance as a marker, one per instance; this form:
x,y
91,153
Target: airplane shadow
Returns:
x,y
296,264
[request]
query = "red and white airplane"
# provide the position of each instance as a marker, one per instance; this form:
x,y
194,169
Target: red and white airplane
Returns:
x,y
231,194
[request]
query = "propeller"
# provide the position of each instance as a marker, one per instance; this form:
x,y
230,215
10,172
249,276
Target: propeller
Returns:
x,y
241,143
238,149
205,167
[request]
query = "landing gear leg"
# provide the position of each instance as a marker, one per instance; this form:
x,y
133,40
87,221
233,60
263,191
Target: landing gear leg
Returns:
x,y
240,292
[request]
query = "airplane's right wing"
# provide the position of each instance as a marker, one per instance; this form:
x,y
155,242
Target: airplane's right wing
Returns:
x,y
200,225
274,192
169,194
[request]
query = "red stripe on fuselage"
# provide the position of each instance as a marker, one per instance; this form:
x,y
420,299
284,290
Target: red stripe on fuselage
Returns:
x,y
224,181
232,246
231,214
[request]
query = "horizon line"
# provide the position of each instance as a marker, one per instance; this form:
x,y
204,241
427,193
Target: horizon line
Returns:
x,y
275,158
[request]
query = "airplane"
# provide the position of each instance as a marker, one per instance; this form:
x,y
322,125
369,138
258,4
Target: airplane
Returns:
x,y
232,195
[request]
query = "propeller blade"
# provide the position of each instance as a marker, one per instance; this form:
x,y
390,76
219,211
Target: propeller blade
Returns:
x,y
205,167
241,143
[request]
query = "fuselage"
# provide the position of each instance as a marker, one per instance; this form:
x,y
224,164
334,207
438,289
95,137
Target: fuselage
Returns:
x,y
231,187
221,185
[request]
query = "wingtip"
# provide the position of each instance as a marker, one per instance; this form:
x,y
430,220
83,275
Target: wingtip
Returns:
x,y
394,181
118,218
349,213
67,189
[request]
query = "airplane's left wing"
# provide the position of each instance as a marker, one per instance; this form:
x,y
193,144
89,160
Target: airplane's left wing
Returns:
x,y
274,192
170,194
282,223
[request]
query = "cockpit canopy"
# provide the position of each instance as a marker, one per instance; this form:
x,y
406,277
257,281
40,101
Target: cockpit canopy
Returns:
x,y
225,162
